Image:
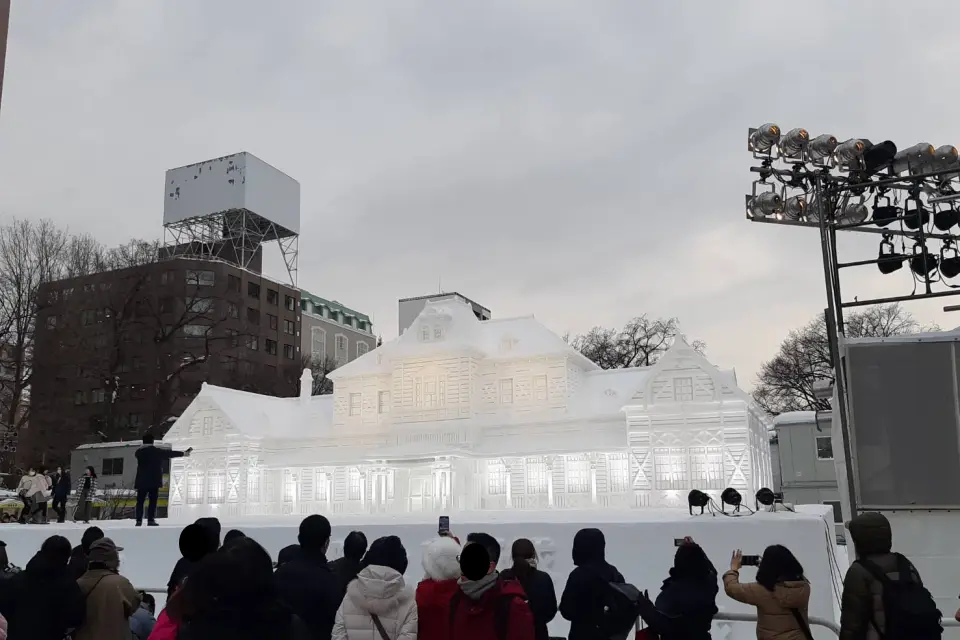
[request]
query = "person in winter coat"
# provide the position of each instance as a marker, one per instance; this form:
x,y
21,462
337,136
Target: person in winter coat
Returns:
x,y
687,602
537,584
110,598
143,621
347,567
305,582
583,596
231,594
43,602
287,554
441,568
780,594
486,607
86,490
233,534
7,570
196,542
33,490
378,604
61,491
861,612
80,555
150,461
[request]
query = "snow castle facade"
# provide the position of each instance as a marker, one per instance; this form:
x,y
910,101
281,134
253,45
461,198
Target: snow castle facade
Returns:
x,y
462,415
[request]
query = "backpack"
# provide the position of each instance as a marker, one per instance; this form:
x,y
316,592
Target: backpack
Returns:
x,y
501,614
620,609
909,609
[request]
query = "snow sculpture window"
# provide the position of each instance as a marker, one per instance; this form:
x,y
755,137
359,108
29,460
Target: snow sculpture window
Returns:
x,y
618,473
390,484
253,485
383,402
824,448
429,392
425,333
540,387
195,487
354,484
208,425
306,485
355,404
437,333
706,468
670,468
578,475
318,343
506,391
216,487
496,478
289,486
683,389
323,485
537,476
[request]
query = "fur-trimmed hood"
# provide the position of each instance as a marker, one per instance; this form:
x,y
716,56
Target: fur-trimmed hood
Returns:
x,y
379,590
440,559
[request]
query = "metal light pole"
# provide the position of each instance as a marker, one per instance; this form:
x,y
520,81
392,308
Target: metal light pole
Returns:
x,y
4,29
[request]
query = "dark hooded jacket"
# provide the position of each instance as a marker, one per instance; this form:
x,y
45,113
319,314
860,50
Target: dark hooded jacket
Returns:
x,y
585,593
862,612
687,601
308,586
345,569
197,540
78,557
42,602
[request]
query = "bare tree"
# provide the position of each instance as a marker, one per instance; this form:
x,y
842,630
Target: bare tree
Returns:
x,y
785,382
320,367
640,343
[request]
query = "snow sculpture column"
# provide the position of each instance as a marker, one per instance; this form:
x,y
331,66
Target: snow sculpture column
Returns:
x,y
363,489
329,489
593,480
550,460
509,483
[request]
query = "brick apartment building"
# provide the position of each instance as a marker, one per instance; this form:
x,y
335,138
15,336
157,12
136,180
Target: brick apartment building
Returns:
x,y
121,352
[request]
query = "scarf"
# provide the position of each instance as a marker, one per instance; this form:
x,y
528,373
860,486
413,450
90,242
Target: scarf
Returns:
x,y
474,589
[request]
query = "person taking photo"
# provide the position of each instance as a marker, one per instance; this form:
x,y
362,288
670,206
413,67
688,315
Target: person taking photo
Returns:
x,y
781,594
150,461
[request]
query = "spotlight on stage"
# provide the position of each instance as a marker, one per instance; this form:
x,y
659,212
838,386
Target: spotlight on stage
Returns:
x,y
732,497
762,139
889,259
949,260
793,143
768,497
923,263
697,498
821,148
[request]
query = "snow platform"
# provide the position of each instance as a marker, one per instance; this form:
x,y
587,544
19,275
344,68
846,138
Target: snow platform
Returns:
x,y
639,542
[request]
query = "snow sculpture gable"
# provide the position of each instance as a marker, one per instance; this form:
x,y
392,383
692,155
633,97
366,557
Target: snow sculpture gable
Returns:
x,y
683,375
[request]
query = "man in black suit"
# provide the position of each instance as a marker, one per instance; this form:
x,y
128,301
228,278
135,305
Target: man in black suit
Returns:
x,y
150,461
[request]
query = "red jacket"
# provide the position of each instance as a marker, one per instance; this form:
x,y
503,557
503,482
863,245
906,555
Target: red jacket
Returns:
x,y
433,608
478,620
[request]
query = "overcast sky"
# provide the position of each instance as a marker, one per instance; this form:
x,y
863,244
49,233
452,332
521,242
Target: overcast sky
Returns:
x,y
581,161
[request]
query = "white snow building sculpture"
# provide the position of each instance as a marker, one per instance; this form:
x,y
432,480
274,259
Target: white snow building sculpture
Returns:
x,y
458,414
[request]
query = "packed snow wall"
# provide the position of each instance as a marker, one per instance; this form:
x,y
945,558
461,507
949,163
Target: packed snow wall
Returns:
x,y
641,545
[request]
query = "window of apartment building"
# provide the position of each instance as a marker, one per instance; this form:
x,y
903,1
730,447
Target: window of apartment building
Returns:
x,y
112,467
67,292
506,391
496,478
201,277
362,348
228,363
354,484
270,346
341,342
79,398
233,311
272,319
290,303
138,392
318,342
618,473
101,341
355,404
196,330
233,284
383,402
88,317
253,315
199,305
824,448
253,343
273,297
137,363
540,387
233,337
51,322
289,328
135,421
577,471
167,277
683,389
105,286
537,476
89,287
288,352
97,396
168,304
253,290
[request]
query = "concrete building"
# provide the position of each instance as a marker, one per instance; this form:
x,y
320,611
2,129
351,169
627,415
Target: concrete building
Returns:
x,y
804,451
332,332
410,308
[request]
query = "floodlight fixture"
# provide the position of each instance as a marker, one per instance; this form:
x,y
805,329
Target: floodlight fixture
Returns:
x,y
697,498
821,148
884,211
852,213
794,207
850,151
916,215
878,156
764,204
732,497
793,143
946,157
762,139
945,217
914,159
949,264
888,260
767,497
923,263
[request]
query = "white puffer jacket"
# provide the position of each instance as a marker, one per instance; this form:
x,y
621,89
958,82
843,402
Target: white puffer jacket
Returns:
x,y
380,591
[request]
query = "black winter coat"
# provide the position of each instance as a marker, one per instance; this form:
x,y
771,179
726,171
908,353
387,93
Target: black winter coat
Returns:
x,y
232,625
308,586
541,597
345,569
584,596
62,487
77,566
42,602
684,609
150,461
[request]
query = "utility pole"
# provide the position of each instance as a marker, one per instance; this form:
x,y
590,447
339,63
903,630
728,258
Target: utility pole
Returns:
x,y
4,28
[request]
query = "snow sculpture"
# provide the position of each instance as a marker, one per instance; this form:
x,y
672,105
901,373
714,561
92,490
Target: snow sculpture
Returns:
x,y
458,414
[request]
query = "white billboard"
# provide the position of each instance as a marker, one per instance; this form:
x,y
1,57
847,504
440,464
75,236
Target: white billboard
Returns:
x,y
238,181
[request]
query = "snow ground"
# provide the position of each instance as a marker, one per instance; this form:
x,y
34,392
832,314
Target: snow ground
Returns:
x,y
640,543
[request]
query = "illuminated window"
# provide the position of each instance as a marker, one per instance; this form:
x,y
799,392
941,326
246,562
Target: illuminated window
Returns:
x,y
355,404
618,473
216,487
354,484
670,467
289,486
706,468
506,391
540,387
383,402
208,425
683,389
307,477
537,476
253,485
578,475
496,478
195,487
429,392
323,485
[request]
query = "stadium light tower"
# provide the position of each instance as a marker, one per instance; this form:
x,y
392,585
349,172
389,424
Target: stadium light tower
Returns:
x,y
905,196
4,29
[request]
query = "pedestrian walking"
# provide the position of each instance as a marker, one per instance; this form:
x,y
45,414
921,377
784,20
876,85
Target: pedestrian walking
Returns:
x,y
86,489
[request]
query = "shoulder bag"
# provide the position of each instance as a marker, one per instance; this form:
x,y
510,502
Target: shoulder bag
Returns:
x,y
804,627
379,626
